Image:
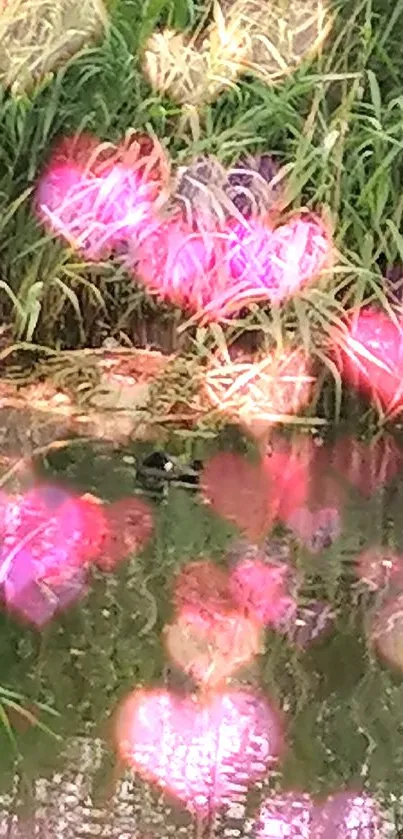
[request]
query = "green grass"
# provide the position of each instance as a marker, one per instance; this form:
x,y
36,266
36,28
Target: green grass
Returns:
x,y
337,124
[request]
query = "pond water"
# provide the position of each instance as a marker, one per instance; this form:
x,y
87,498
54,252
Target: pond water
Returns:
x,y
203,641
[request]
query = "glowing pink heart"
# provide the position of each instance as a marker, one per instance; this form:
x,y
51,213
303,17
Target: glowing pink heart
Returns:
x,y
33,599
95,198
240,492
48,540
346,815
103,201
203,753
178,264
317,529
285,816
310,498
372,358
288,468
203,587
211,649
279,261
216,273
129,524
262,590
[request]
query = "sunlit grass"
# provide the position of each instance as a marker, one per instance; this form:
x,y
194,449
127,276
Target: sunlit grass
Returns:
x,y
335,125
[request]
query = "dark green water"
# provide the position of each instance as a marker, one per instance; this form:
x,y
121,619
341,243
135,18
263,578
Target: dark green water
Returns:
x,y
343,705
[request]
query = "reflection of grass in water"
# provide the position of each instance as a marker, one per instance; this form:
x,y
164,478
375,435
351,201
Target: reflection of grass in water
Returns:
x,y
14,705
343,705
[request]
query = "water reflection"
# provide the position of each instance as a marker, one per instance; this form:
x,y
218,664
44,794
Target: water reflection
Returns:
x,y
201,750
238,584
50,538
346,815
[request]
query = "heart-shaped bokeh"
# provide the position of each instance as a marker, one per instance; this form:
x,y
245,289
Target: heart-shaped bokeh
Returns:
x,y
262,589
344,815
239,491
258,391
97,195
212,648
202,586
201,752
218,272
129,527
49,538
211,637
267,40
37,38
107,200
371,358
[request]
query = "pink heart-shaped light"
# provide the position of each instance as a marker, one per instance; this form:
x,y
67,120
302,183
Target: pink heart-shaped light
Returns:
x,y
285,816
48,540
277,261
178,264
371,359
344,815
203,587
310,497
217,272
288,467
203,753
33,599
262,589
256,391
211,649
129,525
95,198
239,491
